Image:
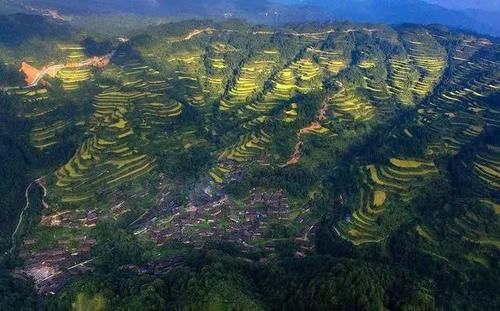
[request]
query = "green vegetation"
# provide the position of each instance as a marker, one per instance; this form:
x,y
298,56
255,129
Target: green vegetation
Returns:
x,y
73,76
228,166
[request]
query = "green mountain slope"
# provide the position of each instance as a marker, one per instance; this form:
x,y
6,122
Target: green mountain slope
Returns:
x,y
33,38
337,166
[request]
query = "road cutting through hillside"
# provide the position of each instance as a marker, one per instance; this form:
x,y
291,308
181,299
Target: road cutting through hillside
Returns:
x,y
196,32
93,61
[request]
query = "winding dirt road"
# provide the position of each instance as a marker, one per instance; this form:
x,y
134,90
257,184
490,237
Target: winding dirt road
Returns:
x,y
94,61
13,237
38,182
314,125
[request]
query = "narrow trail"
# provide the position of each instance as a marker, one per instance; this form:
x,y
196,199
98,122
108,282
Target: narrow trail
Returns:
x,y
13,237
294,159
314,125
50,13
193,33
306,235
315,35
39,182
196,32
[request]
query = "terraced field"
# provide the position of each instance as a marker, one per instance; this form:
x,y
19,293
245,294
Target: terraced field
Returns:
x,y
478,223
430,60
486,171
217,72
250,80
468,47
187,81
44,136
384,184
467,113
401,175
33,95
107,157
331,61
72,75
302,76
290,114
465,109
44,115
111,155
308,75
247,148
173,116
401,79
348,106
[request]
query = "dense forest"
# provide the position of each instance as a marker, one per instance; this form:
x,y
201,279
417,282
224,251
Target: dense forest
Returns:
x,y
209,165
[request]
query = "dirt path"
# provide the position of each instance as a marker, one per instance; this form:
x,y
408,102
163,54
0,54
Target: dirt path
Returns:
x,y
294,159
93,61
314,125
196,32
193,33
313,35
38,182
13,237
42,73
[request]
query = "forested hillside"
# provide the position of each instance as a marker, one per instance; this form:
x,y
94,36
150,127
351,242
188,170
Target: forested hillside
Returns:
x,y
223,165
22,37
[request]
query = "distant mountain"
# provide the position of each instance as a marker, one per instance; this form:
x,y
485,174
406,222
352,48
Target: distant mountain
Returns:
x,y
17,29
489,18
284,11
154,7
260,11
33,38
485,5
403,11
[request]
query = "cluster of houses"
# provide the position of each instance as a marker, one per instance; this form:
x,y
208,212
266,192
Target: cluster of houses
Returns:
x,y
70,219
51,269
206,218
219,219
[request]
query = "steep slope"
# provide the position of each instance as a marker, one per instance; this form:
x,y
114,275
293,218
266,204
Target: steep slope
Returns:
x,y
373,143
33,38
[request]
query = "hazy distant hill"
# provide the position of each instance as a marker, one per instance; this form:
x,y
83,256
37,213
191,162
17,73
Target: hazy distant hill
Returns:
x,y
485,5
33,38
284,11
403,11
18,28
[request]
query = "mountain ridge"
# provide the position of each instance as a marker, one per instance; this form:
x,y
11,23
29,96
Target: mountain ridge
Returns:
x,y
263,11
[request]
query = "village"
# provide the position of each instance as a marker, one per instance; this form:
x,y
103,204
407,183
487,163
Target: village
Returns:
x,y
217,219
51,269
208,215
